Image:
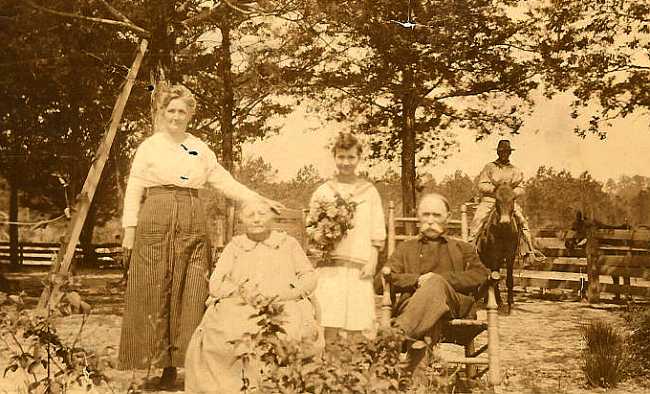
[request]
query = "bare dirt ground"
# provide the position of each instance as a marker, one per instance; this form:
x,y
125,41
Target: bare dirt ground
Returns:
x,y
541,345
540,348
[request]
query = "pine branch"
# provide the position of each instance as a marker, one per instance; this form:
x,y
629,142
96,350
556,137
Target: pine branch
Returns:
x,y
363,100
244,112
236,8
195,20
129,26
116,12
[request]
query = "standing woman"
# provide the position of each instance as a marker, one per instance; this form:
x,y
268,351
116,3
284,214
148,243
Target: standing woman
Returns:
x,y
345,290
170,263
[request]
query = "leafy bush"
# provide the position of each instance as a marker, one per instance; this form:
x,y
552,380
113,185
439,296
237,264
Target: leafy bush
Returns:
x,y
347,366
638,320
47,362
604,355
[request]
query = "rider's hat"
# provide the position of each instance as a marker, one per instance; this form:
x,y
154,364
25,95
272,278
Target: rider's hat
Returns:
x,y
504,145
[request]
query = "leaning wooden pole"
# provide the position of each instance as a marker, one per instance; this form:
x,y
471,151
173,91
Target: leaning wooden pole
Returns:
x,y
61,266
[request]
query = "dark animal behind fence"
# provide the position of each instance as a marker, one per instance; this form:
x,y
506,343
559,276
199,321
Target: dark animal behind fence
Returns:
x,y
577,239
581,227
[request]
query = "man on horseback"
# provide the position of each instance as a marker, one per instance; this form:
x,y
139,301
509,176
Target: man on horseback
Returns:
x,y
495,173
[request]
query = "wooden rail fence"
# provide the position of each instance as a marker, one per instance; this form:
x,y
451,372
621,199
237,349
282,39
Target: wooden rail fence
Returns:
x,y
612,261
43,253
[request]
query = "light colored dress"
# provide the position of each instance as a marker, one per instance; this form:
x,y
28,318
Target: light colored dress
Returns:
x,y
347,301
275,267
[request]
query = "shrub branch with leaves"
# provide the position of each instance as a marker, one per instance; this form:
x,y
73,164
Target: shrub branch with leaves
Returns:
x,y
48,363
361,366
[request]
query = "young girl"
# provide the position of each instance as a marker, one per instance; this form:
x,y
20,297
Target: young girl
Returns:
x,y
344,291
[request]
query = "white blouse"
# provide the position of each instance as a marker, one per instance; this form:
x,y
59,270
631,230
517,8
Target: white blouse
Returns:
x,y
191,163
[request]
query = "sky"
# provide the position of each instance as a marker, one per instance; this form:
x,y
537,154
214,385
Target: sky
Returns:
x,y
546,139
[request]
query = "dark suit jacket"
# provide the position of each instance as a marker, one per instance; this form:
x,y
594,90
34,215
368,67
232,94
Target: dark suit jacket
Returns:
x,y
461,267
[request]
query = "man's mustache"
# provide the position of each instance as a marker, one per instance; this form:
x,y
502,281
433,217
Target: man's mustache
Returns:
x,y
439,228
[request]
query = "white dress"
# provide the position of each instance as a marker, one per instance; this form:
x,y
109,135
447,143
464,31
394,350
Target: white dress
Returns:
x,y
346,300
275,267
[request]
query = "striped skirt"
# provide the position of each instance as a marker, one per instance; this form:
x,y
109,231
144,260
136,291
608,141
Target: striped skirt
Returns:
x,y
168,279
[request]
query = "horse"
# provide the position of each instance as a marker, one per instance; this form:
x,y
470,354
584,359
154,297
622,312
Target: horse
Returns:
x,y
498,241
576,239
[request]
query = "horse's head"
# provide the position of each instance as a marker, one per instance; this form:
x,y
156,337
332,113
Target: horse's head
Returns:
x,y
505,202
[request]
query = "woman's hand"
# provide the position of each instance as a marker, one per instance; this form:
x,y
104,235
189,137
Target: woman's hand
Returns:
x,y
368,270
127,246
129,237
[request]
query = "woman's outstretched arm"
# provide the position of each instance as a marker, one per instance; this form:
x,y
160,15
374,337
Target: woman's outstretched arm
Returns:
x,y
222,180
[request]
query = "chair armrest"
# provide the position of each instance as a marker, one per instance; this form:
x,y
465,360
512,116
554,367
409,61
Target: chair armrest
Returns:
x,y
494,277
386,298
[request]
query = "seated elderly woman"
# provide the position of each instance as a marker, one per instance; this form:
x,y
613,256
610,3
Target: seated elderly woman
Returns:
x,y
261,262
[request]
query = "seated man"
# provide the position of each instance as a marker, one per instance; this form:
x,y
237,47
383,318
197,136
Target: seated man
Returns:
x,y
435,275
493,174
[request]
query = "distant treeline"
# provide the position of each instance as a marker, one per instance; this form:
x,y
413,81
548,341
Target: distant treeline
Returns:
x,y
551,199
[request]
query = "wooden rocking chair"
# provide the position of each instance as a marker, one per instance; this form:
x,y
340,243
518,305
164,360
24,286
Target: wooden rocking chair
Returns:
x,y
458,331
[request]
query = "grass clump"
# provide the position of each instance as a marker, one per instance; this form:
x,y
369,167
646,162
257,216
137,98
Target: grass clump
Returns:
x,y
605,354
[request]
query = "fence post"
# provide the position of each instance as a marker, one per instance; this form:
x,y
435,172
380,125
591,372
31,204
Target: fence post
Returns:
x,y
464,231
391,228
21,257
628,271
593,268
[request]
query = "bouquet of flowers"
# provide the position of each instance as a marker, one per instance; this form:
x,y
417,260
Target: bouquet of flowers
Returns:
x,y
328,222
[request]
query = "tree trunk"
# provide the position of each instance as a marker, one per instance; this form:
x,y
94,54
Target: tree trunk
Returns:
x,y
163,40
407,136
227,101
13,217
86,237
226,121
408,168
117,174
643,211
